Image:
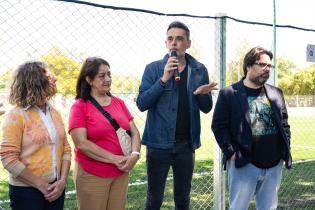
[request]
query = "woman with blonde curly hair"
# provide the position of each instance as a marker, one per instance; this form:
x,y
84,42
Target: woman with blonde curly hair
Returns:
x,y
34,148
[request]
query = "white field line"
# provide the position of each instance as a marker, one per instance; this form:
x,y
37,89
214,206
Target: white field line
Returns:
x,y
303,146
138,183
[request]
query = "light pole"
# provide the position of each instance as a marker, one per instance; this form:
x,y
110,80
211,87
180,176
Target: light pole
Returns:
x,y
274,74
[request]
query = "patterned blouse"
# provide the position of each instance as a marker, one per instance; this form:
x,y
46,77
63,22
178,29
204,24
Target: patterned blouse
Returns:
x,y
28,143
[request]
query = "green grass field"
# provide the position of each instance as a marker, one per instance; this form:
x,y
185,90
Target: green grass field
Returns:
x,y
297,190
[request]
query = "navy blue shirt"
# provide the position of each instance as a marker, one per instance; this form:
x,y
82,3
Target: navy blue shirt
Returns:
x,y
182,123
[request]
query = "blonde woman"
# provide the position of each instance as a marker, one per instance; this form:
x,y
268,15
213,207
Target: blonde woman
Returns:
x,y
34,148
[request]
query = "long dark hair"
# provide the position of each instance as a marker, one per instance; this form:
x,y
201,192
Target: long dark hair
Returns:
x,y
90,69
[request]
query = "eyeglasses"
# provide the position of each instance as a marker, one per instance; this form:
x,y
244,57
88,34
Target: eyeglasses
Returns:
x,y
264,65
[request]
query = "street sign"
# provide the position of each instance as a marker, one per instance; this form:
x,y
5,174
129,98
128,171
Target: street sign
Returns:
x,y
310,53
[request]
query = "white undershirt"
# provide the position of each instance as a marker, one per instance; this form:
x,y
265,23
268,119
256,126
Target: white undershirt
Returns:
x,y
49,124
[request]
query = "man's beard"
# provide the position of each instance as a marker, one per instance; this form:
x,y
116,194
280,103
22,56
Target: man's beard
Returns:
x,y
259,80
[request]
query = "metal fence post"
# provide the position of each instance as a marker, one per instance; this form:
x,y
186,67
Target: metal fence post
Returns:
x,y
220,65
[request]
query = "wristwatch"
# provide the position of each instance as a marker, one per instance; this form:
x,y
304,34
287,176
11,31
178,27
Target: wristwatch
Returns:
x,y
136,153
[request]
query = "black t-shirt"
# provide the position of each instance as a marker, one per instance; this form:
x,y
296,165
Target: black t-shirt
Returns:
x,y
268,145
182,132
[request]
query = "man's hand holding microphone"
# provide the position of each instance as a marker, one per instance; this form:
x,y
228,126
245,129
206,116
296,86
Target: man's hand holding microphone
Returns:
x,y
171,68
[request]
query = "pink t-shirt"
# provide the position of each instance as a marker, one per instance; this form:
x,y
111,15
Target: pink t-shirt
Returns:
x,y
84,114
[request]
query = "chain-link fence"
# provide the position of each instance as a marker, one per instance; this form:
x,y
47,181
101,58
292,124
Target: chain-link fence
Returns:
x,y
64,33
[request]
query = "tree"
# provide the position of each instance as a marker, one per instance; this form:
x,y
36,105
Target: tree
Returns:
x,y
125,84
307,81
65,69
235,67
300,83
5,79
285,75
285,68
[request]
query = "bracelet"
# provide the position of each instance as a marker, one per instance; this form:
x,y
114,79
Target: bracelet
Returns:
x,y
135,153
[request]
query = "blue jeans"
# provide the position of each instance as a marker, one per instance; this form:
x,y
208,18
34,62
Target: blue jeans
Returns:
x,y
29,198
159,161
248,181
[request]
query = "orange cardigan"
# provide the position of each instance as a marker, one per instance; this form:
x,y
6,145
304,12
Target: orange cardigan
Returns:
x,y
27,143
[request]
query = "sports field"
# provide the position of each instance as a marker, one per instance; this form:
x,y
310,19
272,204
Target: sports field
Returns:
x,y
297,190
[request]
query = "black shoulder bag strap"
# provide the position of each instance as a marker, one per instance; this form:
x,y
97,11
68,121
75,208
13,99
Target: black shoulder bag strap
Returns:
x,y
112,121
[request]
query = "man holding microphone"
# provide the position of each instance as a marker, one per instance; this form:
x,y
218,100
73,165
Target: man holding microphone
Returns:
x,y
173,91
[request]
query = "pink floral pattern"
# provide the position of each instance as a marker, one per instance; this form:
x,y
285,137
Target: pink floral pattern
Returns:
x,y
37,134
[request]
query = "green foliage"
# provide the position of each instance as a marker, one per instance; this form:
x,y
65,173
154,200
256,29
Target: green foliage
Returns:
x,y
235,67
65,69
5,79
286,84
124,84
300,83
285,68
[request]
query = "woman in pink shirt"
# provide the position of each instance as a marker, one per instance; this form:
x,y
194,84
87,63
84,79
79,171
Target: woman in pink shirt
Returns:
x,y
101,169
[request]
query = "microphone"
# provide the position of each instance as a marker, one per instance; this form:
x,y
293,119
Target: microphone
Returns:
x,y
176,73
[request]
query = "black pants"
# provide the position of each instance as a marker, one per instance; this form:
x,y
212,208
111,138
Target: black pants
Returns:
x,y
29,198
182,159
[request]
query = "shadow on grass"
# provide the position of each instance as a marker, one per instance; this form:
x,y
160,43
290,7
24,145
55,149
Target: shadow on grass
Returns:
x,y
297,190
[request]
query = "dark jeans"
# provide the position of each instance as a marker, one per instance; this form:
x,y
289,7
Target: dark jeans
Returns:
x,y
182,159
29,198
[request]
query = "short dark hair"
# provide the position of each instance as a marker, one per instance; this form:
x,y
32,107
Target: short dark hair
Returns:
x,y
90,69
254,55
177,24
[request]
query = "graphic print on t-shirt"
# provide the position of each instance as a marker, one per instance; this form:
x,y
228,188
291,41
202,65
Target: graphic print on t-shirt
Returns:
x,y
261,115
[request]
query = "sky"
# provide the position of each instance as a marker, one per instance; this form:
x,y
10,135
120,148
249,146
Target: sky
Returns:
x,y
294,12
298,13
62,25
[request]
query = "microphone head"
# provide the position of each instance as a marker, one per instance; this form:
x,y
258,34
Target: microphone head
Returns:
x,y
173,54
176,73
